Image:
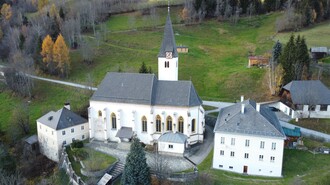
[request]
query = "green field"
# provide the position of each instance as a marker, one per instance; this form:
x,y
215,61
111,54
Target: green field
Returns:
x,y
316,36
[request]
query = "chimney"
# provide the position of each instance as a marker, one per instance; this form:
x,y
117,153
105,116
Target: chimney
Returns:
x,y
67,105
242,108
242,98
258,107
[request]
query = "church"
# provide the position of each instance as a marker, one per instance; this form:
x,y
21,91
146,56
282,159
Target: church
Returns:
x,y
127,104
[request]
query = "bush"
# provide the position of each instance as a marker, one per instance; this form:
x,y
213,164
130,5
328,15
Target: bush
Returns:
x,y
77,144
82,154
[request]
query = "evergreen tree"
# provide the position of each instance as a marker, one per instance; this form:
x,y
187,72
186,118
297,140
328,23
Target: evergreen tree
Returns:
x,y
61,13
287,58
61,56
303,59
143,68
136,170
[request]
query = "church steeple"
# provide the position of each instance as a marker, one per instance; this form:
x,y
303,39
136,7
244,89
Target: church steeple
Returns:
x,y
168,54
168,44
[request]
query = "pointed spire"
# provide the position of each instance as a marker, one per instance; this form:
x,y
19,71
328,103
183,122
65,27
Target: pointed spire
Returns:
x,y
168,44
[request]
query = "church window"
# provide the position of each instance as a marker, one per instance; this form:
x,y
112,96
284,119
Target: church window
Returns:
x,y
100,113
158,124
144,124
169,123
180,124
113,121
193,125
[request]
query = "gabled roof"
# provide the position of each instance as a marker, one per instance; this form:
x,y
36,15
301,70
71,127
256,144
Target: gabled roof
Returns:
x,y
137,88
171,137
32,139
319,49
61,119
306,92
168,44
251,122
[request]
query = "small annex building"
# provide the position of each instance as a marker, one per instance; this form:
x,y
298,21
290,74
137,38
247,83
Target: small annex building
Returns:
x,y
258,61
58,128
172,143
248,139
305,99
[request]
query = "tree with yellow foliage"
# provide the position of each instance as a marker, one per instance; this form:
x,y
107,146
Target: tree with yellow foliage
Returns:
x,y
42,3
61,56
6,11
47,53
53,11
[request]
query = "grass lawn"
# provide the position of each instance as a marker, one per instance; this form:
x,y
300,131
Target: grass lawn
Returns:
x,y
314,35
98,160
47,97
321,125
300,166
216,62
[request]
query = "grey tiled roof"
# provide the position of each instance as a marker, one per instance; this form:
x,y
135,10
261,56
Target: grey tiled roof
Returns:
x,y
125,132
306,92
32,139
146,89
171,137
252,122
168,44
61,119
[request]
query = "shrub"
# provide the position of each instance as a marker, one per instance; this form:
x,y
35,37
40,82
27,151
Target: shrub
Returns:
x,y
77,144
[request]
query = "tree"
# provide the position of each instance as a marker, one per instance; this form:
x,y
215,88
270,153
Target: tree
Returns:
x,y
61,56
277,50
303,60
87,52
53,11
287,58
1,33
136,170
47,53
42,3
143,68
61,13
6,11
21,118
160,166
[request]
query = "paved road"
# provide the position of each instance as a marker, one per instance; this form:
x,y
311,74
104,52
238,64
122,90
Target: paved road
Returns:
x,y
56,81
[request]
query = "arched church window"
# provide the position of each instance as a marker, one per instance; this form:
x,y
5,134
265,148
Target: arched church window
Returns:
x,y
100,113
158,124
113,121
193,125
180,125
144,124
169,123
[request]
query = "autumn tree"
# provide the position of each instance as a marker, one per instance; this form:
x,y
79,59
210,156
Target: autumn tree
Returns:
x,y
47,53
42,3
53,11
6,11
61,56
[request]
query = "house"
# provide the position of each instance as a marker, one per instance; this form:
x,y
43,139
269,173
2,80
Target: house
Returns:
x,y
248,139
127,104
319,52
172,143
182,49
305,98
258,61
58,128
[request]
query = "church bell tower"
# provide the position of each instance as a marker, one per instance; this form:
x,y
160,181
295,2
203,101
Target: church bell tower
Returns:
x,y
168,56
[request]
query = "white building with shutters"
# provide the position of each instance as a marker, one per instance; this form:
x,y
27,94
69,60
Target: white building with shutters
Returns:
x,y
249,140
58,128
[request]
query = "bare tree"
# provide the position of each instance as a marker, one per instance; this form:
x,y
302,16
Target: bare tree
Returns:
x,y
160,166
10,178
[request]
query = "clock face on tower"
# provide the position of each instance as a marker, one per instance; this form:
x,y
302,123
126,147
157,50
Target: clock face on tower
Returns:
x,y
168,55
